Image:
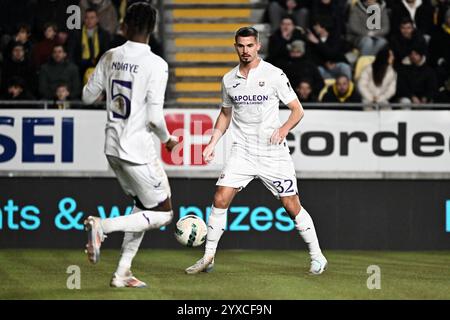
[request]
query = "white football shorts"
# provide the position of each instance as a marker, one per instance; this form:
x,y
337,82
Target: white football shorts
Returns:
x,y
148,182
275,169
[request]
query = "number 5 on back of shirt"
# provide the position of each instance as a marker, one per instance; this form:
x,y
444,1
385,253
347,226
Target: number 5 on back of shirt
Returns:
x,y
121,99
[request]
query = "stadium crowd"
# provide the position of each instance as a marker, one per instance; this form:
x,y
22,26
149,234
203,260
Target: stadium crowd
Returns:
x,y
330,55
42,59
324,46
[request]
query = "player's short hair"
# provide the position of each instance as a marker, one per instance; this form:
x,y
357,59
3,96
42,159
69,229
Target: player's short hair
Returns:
x,y
141,18
246,32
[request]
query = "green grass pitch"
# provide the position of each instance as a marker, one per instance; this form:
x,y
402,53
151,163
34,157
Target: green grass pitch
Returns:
x,y
239,274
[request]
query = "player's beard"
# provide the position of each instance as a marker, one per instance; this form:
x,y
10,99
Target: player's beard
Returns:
x,y
246,60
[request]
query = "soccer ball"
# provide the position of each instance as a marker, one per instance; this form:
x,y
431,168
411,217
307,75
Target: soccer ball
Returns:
x,y
191,231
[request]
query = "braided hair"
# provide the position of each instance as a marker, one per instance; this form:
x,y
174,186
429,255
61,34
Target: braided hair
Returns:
x,y
140,18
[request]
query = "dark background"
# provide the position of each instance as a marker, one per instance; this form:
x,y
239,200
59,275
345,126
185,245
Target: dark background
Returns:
x,y
348,214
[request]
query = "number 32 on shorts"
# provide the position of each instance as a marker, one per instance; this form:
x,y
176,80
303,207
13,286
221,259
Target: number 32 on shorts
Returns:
x,y
284,186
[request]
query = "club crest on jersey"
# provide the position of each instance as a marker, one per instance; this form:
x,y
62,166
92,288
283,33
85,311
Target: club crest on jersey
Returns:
x,y
119,105
262,83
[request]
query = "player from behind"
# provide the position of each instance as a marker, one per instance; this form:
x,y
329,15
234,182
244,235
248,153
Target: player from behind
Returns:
x,y
251,95
135,81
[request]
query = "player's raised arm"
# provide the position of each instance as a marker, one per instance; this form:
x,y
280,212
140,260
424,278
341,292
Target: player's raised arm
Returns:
x,y
288,97
96,84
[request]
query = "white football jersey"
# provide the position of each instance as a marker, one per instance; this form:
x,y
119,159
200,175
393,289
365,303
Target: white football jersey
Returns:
x,y
135,81
255,102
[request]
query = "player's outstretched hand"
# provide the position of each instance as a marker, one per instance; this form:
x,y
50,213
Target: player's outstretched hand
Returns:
x,y
208,153
173,141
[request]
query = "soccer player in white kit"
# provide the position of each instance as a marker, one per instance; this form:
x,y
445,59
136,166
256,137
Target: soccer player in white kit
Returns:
x,y
251,93
135,81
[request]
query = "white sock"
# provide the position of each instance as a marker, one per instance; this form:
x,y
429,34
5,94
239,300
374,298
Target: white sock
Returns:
x,y
305,226
216,226
137,222
130,246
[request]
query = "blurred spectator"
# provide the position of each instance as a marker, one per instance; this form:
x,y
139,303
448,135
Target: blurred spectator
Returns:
x,y
17,91
367,41
440,50
440,10
43,49
284,35
299,9
121,8
332,68
378,81
304,91
17,65
326,50
417,82
298,66
87,45
22,36
57,71
419,11
334,10
106,12
343,90
62,95
55,11
407,38
443,95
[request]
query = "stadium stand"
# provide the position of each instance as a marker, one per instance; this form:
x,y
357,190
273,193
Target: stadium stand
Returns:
x,y
199,41
196,38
